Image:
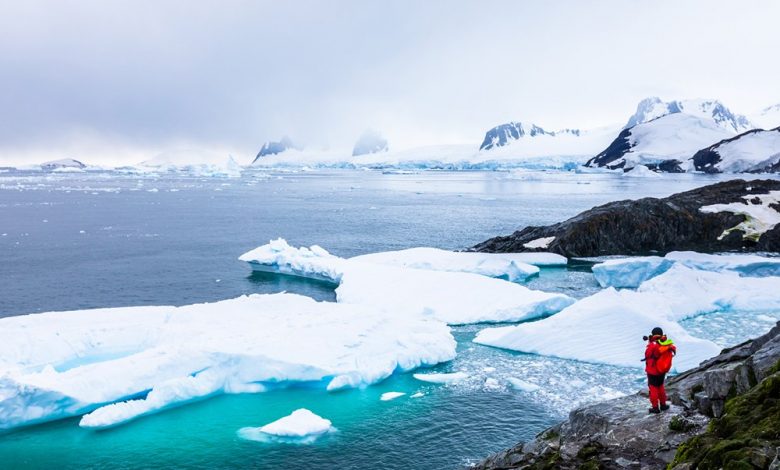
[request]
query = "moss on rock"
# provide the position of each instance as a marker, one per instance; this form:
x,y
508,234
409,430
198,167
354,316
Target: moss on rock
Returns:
x,y
744,436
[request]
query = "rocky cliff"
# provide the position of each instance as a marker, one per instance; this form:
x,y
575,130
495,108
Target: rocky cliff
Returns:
x,y
653,225
724,414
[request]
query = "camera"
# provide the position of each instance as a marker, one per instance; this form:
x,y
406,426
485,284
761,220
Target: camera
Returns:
x,y
645,338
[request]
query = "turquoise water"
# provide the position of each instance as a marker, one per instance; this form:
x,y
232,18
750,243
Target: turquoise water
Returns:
x,y
96,240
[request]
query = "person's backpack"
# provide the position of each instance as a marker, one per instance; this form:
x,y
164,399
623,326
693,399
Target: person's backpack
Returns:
x,y
666,351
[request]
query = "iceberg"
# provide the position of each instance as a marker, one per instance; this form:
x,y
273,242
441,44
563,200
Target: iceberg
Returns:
x,y
387,396
301,426
116,364
604,328
522,385
631,272
452,297
607,327
511,266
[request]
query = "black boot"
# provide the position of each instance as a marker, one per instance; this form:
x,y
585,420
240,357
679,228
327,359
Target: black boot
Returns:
x,y
664,407
654,410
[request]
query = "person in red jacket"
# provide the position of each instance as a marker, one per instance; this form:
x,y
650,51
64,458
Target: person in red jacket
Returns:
x,y
658,361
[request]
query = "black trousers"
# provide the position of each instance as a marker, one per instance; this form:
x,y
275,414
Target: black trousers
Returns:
x,y
655,380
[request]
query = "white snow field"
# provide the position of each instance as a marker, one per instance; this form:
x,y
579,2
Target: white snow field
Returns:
x,y
606,327
512,266
754,151
452,297
759,218
631,272
61,364
301,427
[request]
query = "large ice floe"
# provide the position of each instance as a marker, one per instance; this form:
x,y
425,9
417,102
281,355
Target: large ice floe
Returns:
x,y
510,266
631,272
300,427
452,297
608,326
120,363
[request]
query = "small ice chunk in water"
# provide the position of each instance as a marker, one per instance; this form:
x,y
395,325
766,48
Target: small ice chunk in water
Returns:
x,y
302,425
387,396
417,395
441,378
522,385
491,383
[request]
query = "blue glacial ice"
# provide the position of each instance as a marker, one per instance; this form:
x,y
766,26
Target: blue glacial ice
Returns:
x,y
117,364
631,272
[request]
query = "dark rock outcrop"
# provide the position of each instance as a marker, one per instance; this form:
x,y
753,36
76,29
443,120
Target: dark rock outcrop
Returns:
x,y
652,226
505,133
614,153
620,434
708,159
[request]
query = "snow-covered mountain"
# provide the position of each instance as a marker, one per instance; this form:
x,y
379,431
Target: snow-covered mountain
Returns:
x,y
62,164
272,148
753,151
767,118
505,134
653,107
671,137
370,142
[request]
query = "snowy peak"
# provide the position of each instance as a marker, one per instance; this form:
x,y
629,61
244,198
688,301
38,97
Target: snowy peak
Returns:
x,y
653,108
370,142
506,133
63,163
272,148
716,111
768,117
663,142
752,151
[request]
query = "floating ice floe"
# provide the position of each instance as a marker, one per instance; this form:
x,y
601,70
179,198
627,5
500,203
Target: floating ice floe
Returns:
x,y
452,297
387,396
120,363
631,272
522,385
300,427
442,378
511,266
760,217
607,327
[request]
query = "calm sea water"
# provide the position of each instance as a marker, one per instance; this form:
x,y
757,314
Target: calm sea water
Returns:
x,y
73,241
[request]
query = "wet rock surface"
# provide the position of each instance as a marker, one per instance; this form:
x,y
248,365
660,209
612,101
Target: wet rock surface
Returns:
x,y
650,226
621,434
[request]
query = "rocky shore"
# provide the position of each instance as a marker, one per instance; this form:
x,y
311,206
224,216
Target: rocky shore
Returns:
x,y
657,226
724,414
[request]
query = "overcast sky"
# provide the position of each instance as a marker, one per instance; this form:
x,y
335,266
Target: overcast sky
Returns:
x,y
109,81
